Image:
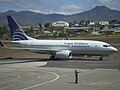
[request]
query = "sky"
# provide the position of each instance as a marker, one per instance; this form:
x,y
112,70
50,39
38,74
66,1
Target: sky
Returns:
x,y
66,7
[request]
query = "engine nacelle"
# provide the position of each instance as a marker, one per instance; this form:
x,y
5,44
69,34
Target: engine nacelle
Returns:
x,y
65,54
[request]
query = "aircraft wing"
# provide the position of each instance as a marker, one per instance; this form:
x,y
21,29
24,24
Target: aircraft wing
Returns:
x,y
36,50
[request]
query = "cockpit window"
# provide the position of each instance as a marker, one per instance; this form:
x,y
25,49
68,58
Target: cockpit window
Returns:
x,y
106,45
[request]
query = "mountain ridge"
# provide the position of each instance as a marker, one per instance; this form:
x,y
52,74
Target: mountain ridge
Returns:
x,y
29,18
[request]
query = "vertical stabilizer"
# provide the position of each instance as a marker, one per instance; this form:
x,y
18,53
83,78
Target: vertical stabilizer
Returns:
x,y
17,33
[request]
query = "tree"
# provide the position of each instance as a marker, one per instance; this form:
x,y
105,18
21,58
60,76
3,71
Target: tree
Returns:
x,y
31,29
113,21
62,34
102,27
40,25
47,25
82,23
4,32
70,24
87,22
108,33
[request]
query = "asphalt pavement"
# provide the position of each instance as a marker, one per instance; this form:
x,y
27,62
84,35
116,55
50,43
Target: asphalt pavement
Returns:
x,y
59,75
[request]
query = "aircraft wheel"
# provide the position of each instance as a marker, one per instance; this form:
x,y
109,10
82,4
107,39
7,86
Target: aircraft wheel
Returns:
x,y
52,57
101,58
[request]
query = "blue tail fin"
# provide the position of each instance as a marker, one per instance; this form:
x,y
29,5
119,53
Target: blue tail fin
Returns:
x,y
17,33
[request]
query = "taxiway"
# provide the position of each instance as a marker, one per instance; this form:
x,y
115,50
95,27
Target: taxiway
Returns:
x,y
59,75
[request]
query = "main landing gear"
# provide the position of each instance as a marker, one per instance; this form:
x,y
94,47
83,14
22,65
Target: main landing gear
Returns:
x,y
52,57
101,58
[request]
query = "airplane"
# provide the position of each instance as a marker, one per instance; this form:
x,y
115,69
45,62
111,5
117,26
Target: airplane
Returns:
x,y
58,49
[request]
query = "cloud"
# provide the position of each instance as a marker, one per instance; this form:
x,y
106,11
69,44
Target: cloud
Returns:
x,y
18,4
56,6
5,0
90,1
66,10
114,4
70,9
106,2
43,6
29,4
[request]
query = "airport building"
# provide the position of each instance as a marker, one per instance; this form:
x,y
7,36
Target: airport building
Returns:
x,y
78,29
60,23
91,23
104,23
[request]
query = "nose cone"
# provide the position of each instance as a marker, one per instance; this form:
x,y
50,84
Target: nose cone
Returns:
x,y
114,49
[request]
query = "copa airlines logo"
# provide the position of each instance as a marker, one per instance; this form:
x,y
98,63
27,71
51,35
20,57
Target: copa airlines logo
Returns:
x,y
18,35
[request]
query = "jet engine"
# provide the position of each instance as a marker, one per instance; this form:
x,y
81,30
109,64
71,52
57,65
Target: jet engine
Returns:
x,y
65,54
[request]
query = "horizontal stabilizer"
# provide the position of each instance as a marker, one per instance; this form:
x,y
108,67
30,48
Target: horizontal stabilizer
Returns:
x,y
2,44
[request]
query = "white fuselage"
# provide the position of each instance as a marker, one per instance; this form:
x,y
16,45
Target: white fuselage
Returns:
x,y
57,48
77,47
